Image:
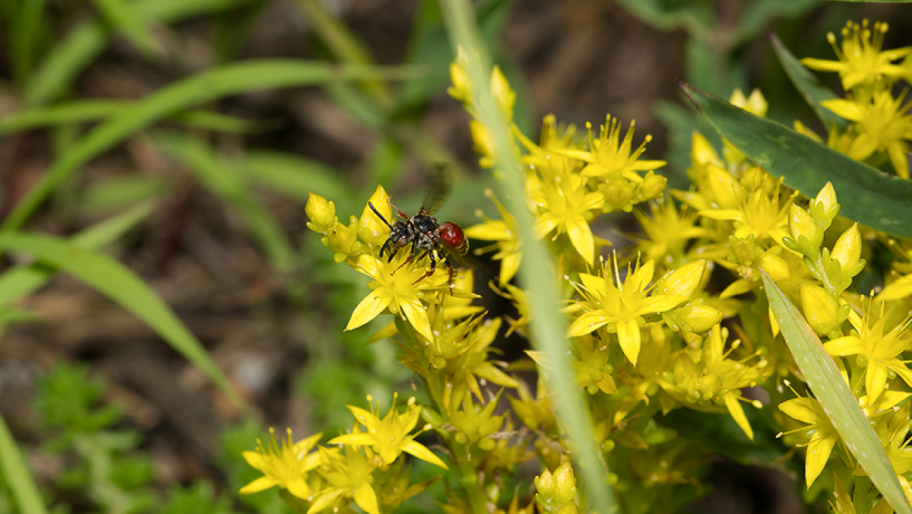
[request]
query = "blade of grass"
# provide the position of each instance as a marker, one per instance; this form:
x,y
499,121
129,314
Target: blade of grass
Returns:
x,y
114,280
128,22
86,41
807,84
296,177
226,182
204,86
835,397
17,474
26,26
20,281
84,111
537,271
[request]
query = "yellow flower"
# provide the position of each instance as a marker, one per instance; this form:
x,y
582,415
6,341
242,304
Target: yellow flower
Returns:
x,y
881,352
400,290
349,474
566,205
284,465
621,307
505,233
861,59
884,125
757,211
823,436
609,155
388,437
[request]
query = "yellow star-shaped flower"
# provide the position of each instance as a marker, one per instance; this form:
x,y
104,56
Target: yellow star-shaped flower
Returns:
x,y
284,465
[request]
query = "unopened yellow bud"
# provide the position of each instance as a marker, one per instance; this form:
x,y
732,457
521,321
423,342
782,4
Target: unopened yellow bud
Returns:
x,y
847,250
461,89
774,266
371,228
556,491
697,317
343,241
652,186
482,143
754,104
820,309
824,207
684,280
505,96
322,214
806,234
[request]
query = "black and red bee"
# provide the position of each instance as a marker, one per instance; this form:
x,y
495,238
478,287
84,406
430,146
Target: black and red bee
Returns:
x,y
441,241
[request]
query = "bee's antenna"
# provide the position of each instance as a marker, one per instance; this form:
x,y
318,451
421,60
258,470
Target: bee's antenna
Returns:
x,y
379,215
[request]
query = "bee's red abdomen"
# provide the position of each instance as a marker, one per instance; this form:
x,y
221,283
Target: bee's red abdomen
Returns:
x,y
452,234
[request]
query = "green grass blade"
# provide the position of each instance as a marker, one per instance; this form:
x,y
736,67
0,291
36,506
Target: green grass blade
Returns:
x,y
117,282
296,177
20,281
84,111
17,474
879,201
127,21
86,41
205,86
808,85
835,397
226,182
537,272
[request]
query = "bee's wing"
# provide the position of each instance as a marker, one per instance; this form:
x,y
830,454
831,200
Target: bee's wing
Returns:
x,y
439,188
462,260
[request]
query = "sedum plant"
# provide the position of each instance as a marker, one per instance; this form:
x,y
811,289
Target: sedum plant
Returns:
x,y
675,350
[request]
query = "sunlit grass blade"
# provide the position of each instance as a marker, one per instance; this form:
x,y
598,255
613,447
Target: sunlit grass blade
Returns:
x,y
835,397
202,87
127,21
808,85
296,177
26,33
225,181
20,281
879,201
17,475
84,111
114,280
537,272
83,43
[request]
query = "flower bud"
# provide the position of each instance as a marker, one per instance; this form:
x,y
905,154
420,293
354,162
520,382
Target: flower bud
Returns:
x,y
824,207
774,266
652,186
697,317
805,232
754,104
820,309
556,491
343,241
702,151
682,281
371,228
505,96
847,250
461,89
322,214
482,143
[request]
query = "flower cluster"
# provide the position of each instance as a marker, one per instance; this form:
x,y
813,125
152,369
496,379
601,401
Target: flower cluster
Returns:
x,y
672,332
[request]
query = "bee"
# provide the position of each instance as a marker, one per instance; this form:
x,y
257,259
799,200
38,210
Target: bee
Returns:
x,y
439,241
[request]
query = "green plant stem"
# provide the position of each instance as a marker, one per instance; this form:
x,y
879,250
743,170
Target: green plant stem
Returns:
x,y
468,478
17,474
537,271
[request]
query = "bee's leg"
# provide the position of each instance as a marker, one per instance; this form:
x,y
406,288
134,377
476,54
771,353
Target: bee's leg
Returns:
x,y
410,257
432,270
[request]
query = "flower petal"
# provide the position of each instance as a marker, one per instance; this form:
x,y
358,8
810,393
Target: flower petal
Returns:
x,y
366,498
418,318
628,332
298,487
587,323
260,484
372,305
421,451
581,238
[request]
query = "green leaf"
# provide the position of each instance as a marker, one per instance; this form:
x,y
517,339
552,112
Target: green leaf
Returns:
x,y
296,177
20,281
124,17
878,200
117,282
834,396
121,191
224,181
808,85
202,87
17,474
86,41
